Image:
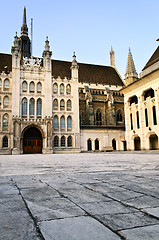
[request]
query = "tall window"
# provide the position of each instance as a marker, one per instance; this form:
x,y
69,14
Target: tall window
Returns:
x,y
5,142
62,105
69,122
69,105
68,89
24,86
131,121
98,117
31,87
24,107
62,122
39,107
146,117
69,141
63,141
31,107
138,122
6,84
39,87
55,104
55,88
154,115
56,122
0,83
6,102
119,116
62,88
5,120
56,141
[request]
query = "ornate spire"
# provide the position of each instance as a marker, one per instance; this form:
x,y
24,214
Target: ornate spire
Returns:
x,y
24,28
112,58
131,74
130,69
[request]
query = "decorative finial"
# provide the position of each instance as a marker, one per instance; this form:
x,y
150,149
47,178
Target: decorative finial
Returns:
x,y
47,47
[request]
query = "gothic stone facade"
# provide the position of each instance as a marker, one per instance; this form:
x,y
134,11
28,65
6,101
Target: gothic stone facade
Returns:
x,y
57,106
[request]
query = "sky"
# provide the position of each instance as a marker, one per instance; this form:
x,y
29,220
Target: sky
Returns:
x,y
88,27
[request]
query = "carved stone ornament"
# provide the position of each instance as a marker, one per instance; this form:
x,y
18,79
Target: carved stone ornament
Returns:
x,y
32,61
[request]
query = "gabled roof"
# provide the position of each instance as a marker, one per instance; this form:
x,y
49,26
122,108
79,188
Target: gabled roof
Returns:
x,y
88,73
154,58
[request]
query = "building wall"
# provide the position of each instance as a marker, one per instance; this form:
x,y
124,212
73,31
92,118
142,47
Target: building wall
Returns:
x,y
142,134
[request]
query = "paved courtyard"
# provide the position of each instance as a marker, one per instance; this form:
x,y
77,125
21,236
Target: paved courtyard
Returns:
x,y
88,196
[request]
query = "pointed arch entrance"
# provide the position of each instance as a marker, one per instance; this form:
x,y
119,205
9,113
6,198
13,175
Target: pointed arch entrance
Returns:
x,y
137,143
32,141
153,139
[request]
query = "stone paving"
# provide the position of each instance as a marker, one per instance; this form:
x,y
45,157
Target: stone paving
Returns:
x,y
87,196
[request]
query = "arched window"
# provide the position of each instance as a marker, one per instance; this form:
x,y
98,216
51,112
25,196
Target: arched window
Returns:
x,y
149,93
39,87
5,120
68,89
62,88
6,84
119,116
56,122
62,122
5,142
24,107
31,87
98,117
0,83
56,141
39,107
62,105
69,141
31,107
6,102
133,99
55,88
69,122
63,141
24,86
55,104
69,105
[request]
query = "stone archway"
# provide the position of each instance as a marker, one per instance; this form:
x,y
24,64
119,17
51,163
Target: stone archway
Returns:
x,y
89,145
114,144
96,145
32,140
153,139
137,143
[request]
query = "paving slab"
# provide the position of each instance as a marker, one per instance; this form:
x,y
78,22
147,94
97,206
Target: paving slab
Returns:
x,y
80,228
127,220
79,196
143,233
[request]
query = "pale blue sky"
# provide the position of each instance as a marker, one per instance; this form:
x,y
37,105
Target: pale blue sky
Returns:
x,y
88,27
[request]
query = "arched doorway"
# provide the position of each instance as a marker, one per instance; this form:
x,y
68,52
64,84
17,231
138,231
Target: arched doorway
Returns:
x,y
97,144
32,141
114,144
153,142
137,144
89,145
